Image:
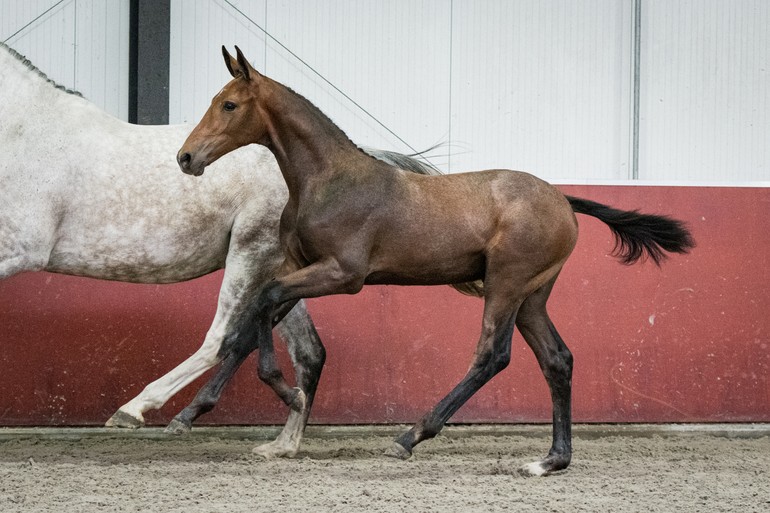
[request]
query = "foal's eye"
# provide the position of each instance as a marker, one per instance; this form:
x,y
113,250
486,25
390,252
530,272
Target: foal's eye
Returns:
x,y
229,106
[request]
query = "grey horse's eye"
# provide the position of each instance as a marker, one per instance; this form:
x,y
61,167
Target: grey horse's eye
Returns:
x,y
229,106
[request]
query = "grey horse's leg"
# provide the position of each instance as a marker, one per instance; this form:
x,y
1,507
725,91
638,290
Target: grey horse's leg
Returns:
x,y
157,393
308,355
245,274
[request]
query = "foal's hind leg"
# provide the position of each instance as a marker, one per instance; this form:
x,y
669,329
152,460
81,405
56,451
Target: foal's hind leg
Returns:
x,y
493,354
556,363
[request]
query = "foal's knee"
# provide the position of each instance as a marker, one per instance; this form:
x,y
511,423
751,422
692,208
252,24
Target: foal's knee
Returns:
x,y
269,374
264,374
348,283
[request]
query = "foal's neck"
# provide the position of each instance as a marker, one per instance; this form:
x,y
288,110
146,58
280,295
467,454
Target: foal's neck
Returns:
x,y
305,142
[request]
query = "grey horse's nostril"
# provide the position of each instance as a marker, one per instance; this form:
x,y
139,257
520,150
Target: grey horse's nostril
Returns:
x,y
184,159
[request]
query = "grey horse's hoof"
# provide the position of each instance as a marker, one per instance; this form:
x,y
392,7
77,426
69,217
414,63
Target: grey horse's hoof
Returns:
x,y
176,427
398,451
123,420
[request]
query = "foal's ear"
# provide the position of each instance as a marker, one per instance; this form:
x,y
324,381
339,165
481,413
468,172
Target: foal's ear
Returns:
x,y
231,63
239,67
248,71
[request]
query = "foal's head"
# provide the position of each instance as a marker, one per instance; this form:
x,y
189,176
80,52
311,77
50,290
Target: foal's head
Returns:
x,y
230,121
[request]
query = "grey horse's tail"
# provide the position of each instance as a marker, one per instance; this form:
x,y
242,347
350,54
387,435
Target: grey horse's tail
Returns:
x,y
405,162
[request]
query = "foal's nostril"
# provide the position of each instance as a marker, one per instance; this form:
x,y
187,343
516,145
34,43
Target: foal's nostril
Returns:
x,y
184,159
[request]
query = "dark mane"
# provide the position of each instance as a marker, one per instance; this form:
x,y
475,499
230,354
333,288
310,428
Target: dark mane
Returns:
x,y
26,62
405,162
391,158
318,111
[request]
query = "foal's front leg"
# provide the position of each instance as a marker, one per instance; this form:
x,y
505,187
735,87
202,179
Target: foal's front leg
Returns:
x,y
240,343
322,278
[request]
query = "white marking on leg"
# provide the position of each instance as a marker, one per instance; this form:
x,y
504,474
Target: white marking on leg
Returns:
x,y
157,393
287,442
535,469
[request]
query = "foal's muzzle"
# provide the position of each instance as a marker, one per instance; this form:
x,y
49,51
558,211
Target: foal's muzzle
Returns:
x,y
185,161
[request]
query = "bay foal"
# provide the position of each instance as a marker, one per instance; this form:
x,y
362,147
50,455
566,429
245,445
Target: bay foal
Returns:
x,y
351,220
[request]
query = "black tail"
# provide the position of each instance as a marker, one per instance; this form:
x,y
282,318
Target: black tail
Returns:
x,y
638,235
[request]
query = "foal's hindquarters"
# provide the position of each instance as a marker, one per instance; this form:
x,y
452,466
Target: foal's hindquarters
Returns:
x,y
532,231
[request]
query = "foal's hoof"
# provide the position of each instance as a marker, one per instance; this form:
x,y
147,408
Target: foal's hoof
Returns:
x,y
299,401
122,419
177,427
398,451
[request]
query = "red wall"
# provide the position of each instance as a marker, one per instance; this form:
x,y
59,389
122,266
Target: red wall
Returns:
x,y
685,343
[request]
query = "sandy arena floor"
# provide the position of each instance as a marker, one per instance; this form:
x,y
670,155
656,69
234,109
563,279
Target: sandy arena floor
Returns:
x,y
343,470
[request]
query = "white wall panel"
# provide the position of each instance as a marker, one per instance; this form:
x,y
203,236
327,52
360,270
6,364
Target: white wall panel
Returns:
x,y
198,30
539,85
542,86
705,111
81,44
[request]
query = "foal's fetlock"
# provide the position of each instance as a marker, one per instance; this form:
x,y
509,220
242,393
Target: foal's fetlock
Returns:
x,y
401,448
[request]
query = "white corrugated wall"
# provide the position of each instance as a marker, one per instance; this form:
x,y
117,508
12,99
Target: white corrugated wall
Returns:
x,y
540,85
533,85
705,110
198,29
81,44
